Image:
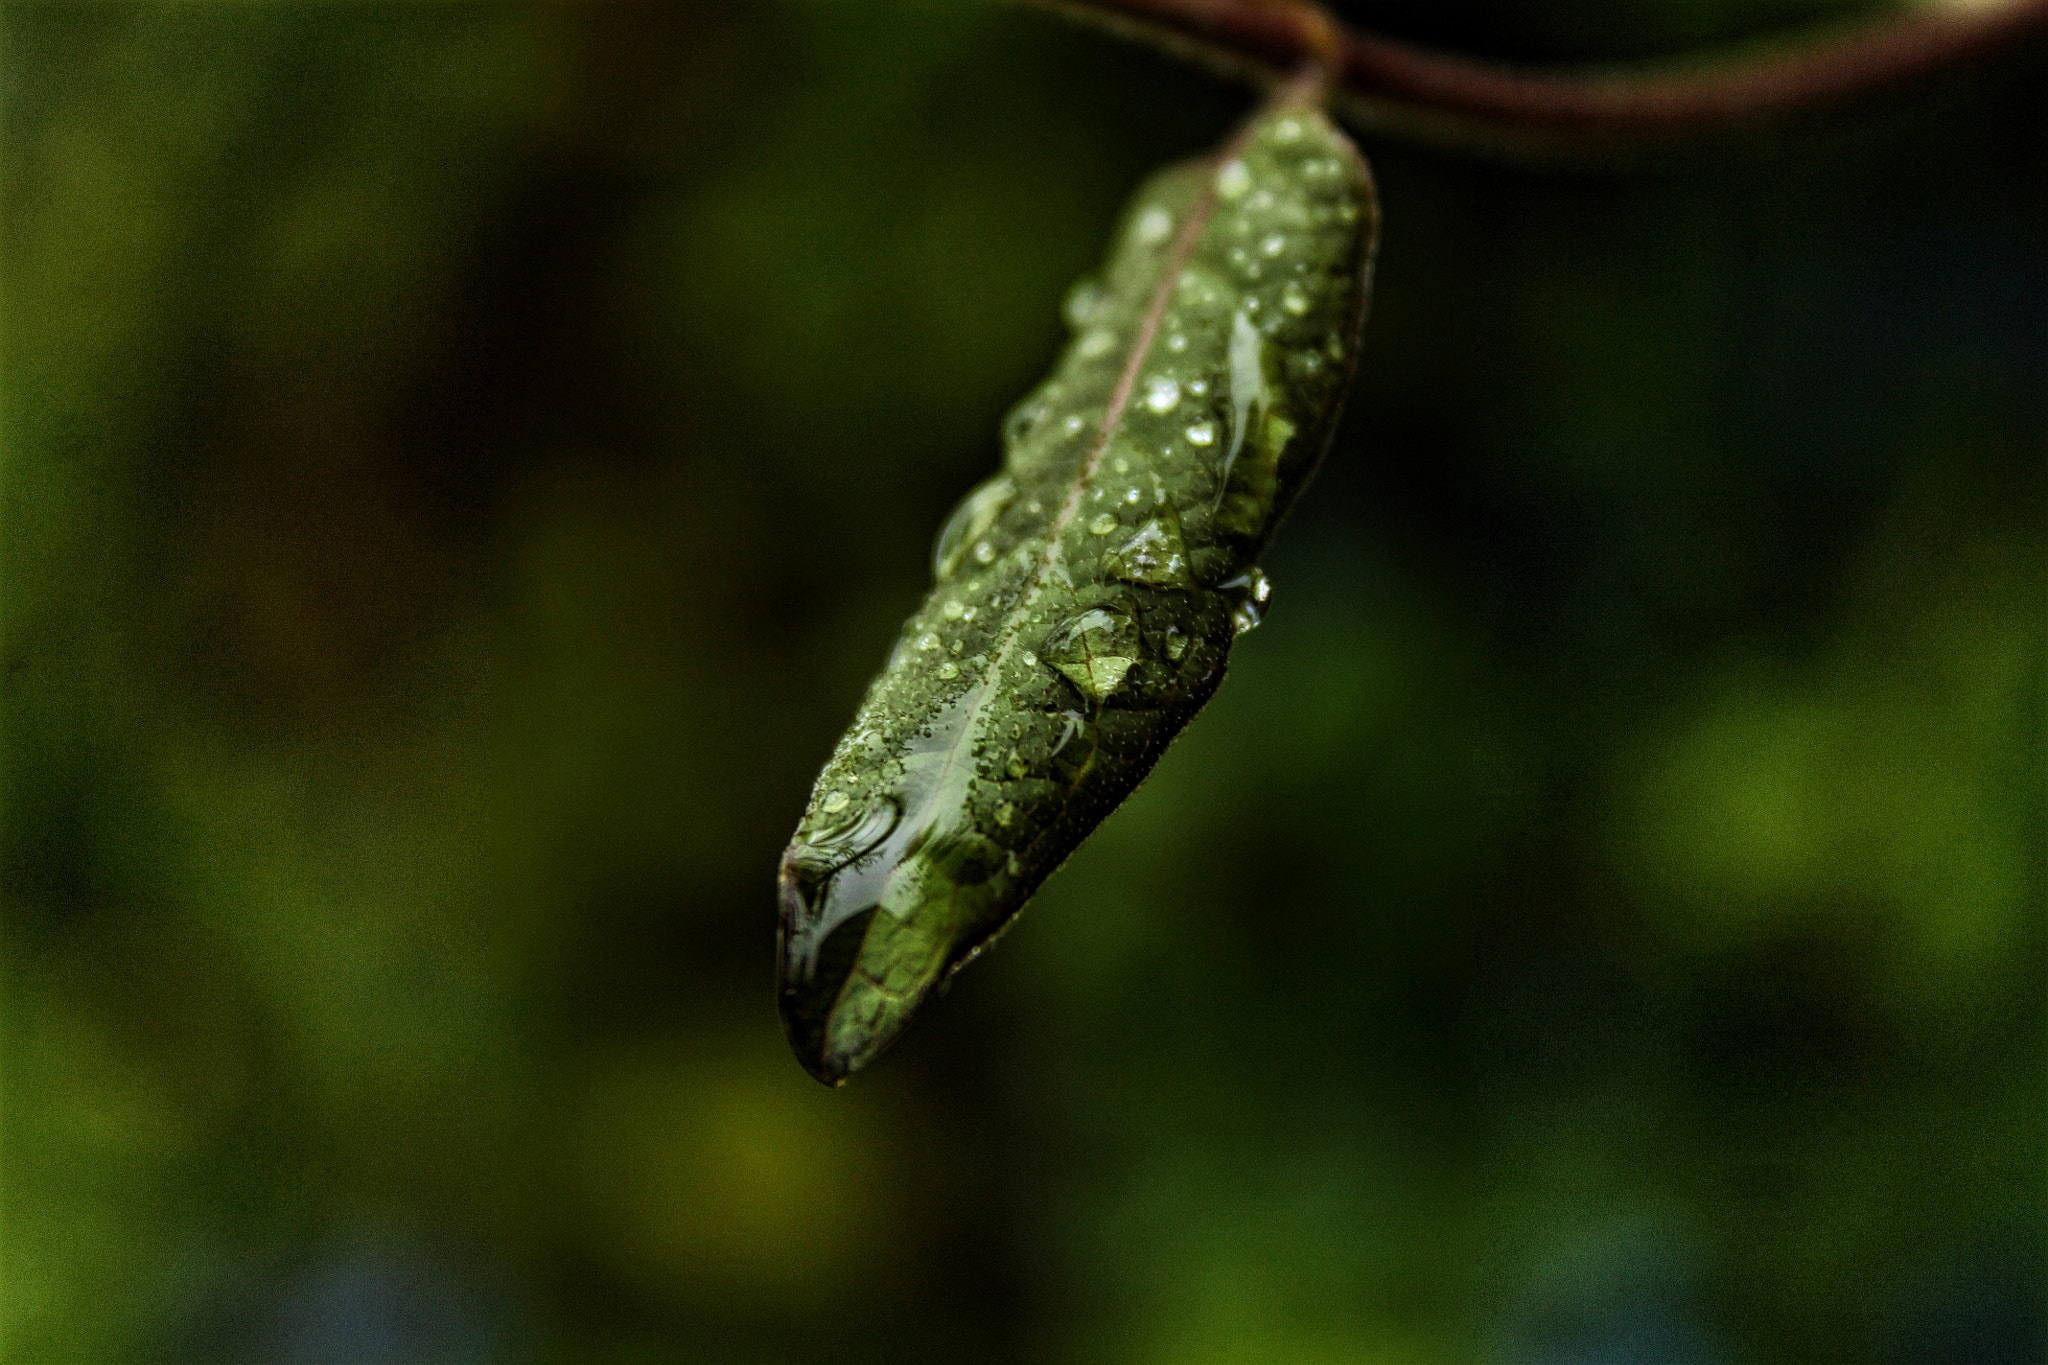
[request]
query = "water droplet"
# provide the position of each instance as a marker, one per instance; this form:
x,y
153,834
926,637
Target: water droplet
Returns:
x,y
1154,554
1022,420
1097,341
1198,387
1273,245
949,670
833,802
1253,590
1294,299
984,553
1035,507
1287,130
1095,650
1131,495
1233,178
1311,363
968,614
1082,299
1152,226
1201,433
952,611
1122,466
1161,394
1103,524
928,642
849,834
1030,659
1072,426
977,512
1176,343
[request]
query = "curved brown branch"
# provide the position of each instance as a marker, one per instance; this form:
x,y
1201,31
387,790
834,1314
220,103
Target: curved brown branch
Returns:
x,y
1396,85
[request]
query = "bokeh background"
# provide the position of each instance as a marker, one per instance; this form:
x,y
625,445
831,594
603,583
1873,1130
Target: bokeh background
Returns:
x,y
462,464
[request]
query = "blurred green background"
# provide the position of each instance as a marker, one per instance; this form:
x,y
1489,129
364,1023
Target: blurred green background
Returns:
x,y
462,464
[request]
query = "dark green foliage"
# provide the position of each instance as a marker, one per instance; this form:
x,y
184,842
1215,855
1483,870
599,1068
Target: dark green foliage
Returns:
x,y
1088,595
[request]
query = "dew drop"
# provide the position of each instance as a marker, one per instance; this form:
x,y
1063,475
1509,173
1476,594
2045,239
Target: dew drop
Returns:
x,y
1294,299
1096,651
952,611
1122,466
1273,245
1287,130
1152,226
1202,433
949,670
1021,421
1094,342
1081,302
928,642
1072,426
984,553
1198,387
1155,554
1176,343
1030,659
969,521
1131,496
1161,394
1253,590
1233,179
1103,524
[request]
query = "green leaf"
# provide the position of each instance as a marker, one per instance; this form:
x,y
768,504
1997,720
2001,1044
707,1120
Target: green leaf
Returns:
x,y
1087,596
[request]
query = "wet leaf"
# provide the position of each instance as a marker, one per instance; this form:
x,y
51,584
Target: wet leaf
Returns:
x,y
1088,594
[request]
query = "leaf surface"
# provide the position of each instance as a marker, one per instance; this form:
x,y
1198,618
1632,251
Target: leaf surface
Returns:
x,y
1087,595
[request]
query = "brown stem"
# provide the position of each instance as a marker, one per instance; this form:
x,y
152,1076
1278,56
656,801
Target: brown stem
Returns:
x,y
1398,85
